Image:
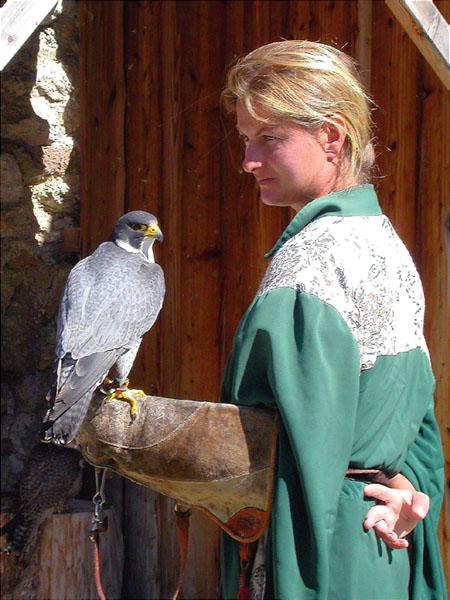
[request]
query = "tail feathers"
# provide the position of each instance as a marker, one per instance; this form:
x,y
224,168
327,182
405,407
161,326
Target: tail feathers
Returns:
x,y
18,534
64,428
8,527
79,380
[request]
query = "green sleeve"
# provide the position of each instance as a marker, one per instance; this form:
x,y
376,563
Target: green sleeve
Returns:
x,y
425,470
296,353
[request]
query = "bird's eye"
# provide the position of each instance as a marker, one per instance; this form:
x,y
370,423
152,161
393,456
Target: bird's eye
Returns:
x,y
136,226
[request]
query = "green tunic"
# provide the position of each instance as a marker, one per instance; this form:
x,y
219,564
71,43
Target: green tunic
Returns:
x,y
334,341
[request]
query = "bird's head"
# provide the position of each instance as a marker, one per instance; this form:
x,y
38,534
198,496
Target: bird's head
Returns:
x,y
136,231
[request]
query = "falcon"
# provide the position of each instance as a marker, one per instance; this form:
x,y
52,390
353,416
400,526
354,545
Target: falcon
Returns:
x,y
51,476
110,300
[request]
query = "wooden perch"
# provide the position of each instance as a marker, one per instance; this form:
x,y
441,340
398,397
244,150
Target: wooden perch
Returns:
x,y
216,457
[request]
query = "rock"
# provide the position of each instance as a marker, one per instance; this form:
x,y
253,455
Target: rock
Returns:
x,y
33,131
56,158
40,197
11,185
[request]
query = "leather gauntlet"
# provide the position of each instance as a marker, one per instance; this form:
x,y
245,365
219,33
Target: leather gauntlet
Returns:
x,y
218,458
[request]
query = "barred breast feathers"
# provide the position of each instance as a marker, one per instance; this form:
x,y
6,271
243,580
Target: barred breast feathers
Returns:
x,y
359,266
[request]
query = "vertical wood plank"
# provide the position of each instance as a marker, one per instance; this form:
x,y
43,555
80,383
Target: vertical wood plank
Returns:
x,y
363,49
141,532
171,118
170,54
144,131
202,573
102,105
298,19
394,88
249,227
433,252
331,23
199,287
143,142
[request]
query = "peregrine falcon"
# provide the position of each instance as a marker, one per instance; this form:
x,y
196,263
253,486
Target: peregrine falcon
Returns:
x,y
111,299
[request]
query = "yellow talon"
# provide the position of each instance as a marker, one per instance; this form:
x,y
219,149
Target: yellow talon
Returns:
x,y
127,396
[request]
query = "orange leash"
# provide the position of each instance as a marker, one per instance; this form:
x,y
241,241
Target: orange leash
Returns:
x,y
96,563
246,551
182,523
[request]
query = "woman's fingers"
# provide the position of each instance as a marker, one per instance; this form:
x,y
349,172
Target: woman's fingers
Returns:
x,y
392,503
389,495
380,518
396,513
377,513
420,505
389,537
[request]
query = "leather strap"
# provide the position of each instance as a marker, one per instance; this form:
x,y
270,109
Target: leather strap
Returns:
x,y
246,551
96,562
182,522
368,475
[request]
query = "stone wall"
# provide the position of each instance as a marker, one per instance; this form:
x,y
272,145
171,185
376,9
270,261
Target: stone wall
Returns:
x,y
39,199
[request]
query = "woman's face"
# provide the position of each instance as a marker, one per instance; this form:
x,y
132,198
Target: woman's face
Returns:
x,y
291,165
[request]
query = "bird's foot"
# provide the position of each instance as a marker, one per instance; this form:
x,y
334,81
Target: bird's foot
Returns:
x,y
127,396
107,387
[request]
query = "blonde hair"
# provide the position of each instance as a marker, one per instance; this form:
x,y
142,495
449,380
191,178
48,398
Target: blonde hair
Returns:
x,y
306,82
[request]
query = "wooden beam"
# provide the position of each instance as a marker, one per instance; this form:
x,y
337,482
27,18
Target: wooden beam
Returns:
x,y
364,41
428,30
19,18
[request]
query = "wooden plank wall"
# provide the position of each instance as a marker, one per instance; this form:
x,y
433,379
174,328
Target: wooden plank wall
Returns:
x,y
154,137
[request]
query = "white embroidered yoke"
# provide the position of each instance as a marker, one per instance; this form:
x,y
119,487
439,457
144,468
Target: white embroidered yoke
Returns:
x,y
358,265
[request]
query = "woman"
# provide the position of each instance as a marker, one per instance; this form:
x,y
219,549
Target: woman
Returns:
x,y
333,340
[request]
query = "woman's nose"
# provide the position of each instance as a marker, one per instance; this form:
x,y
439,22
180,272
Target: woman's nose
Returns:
x,y
251,160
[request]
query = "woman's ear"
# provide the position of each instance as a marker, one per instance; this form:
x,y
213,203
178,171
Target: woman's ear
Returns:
x,y
332,138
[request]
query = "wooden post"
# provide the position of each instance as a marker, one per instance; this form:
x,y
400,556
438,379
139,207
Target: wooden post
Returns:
x,y
61,567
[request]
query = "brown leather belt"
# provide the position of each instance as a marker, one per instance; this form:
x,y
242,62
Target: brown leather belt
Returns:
x,y
368,475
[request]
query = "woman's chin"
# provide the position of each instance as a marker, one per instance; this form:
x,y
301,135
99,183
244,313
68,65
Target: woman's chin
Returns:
x,y
273,200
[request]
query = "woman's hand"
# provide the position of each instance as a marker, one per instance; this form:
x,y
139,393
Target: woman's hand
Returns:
x,y
399,509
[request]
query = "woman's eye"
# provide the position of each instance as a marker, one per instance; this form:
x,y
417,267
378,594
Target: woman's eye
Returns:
x,y
269,138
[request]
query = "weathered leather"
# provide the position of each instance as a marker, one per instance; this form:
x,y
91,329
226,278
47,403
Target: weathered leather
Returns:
x,y
215,457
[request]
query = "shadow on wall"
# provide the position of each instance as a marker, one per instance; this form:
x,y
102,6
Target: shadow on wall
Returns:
x,y
40,197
